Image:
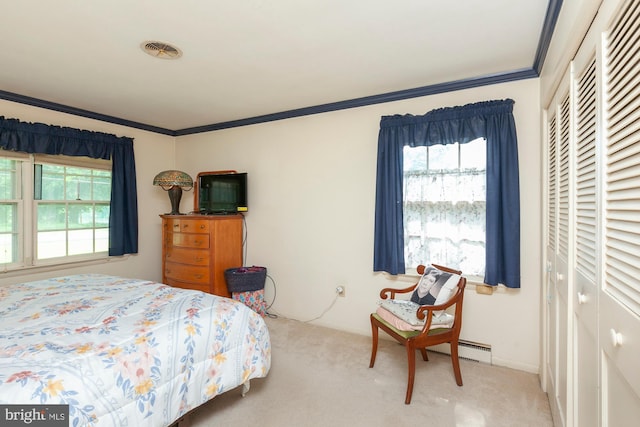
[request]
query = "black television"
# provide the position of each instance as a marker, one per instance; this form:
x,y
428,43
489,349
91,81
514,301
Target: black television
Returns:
x,y
221,193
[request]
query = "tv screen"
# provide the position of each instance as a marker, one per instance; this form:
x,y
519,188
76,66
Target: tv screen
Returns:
x,y
222,193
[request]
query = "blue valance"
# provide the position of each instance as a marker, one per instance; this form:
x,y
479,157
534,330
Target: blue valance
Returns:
x,y
48,139
492,120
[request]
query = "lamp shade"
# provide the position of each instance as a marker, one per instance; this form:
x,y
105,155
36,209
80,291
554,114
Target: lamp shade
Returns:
x,y
169,178
174,181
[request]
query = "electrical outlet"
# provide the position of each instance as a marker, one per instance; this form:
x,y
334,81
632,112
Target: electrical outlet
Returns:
x,y
341,290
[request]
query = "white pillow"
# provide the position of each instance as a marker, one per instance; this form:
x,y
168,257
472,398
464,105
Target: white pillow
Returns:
x,y
447,289
435,286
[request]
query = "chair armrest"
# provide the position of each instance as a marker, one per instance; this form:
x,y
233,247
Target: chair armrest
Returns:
x,y
455,298
392,291
426,312
432,308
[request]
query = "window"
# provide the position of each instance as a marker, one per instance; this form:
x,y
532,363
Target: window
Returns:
x,y
445,204
53,209
10,205
494,122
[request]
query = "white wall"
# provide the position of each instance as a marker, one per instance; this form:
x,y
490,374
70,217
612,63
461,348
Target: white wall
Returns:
x,y
153,153
311,215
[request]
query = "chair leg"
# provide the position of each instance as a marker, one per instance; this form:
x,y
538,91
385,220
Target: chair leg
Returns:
x,y
374,342
411,365
456,362
424,354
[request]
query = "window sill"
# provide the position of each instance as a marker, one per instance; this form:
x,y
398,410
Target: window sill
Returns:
x,y
43,268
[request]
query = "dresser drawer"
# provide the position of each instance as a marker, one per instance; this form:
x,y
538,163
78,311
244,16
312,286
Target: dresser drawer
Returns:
x,y
194,226
187,240
186,273
204,287
187,225
187,255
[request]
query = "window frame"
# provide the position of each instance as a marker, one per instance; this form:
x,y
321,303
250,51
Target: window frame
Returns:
x,y
27,209
18,201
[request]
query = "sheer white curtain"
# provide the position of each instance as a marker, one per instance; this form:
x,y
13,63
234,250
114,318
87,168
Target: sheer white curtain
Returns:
x,y
445,206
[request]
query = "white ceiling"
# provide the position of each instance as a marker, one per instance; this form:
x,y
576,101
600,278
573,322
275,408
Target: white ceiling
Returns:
x,y
248,58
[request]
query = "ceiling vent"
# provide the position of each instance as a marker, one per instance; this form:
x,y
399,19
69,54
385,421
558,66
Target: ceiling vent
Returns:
x,y
161,50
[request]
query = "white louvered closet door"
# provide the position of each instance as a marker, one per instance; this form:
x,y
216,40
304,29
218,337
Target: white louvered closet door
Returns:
x,y
619,298
552,186
564,251
585,290
551,321
551,312
558,241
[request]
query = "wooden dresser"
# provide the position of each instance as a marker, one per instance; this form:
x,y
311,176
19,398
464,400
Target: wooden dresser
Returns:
x,y
197,249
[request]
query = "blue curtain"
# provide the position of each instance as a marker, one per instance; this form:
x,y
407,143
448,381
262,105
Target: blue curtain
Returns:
x,y
47,139
492,120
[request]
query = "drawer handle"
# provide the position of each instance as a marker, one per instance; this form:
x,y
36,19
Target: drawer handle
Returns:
x,y
197,242
176,225
202,227
198,276
186,225
199,259
168,255
167,271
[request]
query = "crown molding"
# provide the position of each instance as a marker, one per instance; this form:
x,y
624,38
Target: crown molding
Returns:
x,y
550,20
369,100
35,102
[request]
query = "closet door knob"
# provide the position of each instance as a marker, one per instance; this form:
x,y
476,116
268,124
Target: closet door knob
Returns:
x,y
616,338
582,298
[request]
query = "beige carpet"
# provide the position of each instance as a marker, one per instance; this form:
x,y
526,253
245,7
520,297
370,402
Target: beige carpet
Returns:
x,y
321,377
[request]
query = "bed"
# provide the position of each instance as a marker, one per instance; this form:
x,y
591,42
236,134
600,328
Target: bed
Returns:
x,y
123,351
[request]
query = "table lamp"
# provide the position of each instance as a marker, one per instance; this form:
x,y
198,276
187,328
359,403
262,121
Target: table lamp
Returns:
x,y
174,182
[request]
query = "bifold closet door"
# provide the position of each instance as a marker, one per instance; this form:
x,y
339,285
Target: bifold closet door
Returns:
x,y
586,269
619,296
558,242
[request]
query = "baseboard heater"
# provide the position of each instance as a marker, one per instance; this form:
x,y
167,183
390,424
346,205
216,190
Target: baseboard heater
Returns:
x,y
467,350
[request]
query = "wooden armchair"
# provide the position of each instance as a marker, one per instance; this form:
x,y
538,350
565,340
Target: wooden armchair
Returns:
x,y
429,335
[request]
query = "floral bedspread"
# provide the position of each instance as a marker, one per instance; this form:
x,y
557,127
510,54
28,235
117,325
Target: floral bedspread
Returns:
x,y
124,351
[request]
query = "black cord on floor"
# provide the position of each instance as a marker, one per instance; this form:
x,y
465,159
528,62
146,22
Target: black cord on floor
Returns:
x,y
271,315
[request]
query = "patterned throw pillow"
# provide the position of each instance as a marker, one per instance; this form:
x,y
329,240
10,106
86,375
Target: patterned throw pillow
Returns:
x,y
435,286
